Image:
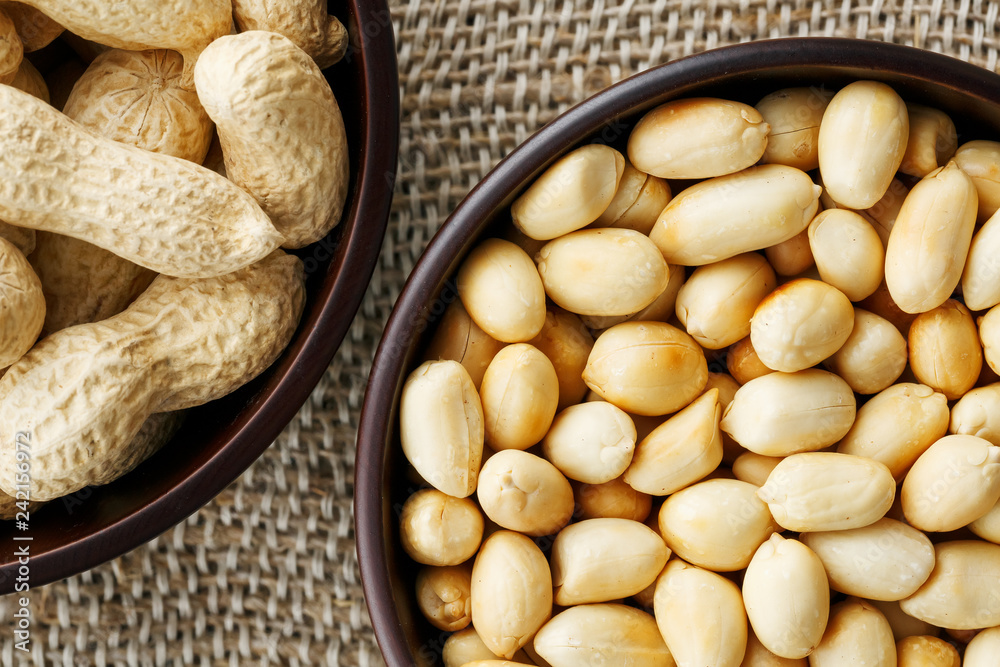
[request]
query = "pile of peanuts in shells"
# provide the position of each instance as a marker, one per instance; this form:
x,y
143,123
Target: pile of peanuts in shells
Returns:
x,y
151,182
590,493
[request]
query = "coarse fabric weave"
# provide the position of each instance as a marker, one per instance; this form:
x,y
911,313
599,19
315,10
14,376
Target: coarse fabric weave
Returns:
x,y
266,574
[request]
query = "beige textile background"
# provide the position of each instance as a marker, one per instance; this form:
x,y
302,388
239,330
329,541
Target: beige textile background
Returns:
x,y
266,574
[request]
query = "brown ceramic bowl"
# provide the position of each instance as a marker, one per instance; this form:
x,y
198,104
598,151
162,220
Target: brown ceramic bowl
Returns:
x,y
220,440
745,72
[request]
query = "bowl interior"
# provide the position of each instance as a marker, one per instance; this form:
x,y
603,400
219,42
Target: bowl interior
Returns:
x,y
219,440
746,72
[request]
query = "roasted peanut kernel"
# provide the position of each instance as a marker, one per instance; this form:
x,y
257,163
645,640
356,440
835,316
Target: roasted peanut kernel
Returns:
x,y
887,560
874,355
925,651
989,336
932,140
611,500
438,529
862,139
743,363
565,340
929,243
988,525
882,215
520,393
642,215
465,646
524,492
858,634
847,251
460,339
953,483
697,138
754,468
700,615
729,215
903,625
786,596
820,491
982,651
785,413
602,272
629,186
661,310
981,276
716,302
791,257
944,349
981,161
963,588
609,634
758,656
443,596
598,560
591,442
570,194
794,115
800,324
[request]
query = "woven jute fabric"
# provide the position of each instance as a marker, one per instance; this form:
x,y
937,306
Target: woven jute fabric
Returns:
x,y
266,574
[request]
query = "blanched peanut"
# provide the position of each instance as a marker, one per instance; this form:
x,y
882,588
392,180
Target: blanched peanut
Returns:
x,y
862,138
981,276
953,483
496,663
611,500
925,651
701,616
930,241
989,336
590,442
980,159
520,393
743,363
438,529
963,590
642,214
570,194
727,387
988,525
646,368
754,468
982,651
441,426
794,115
847,251
698,137
729,215
787,597
881,304
524,492
932,140
897,425
459,338
679,452
882,215
874,355
716,302
716,524
565,340
791,257
902,624
800,324
511,592
944,349
466,646
598,560
856,634
819,491
661,310
757,655
887,560
784,413
607,634
500,288
629,275
443,595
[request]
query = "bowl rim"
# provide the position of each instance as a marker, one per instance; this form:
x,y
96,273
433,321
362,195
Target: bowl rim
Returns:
x,y
353,255
469,219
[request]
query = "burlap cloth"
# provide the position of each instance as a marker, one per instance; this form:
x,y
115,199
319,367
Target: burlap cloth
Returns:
x,y
267,574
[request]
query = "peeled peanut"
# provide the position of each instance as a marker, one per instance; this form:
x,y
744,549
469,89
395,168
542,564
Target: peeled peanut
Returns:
x,y
754,468
459,338
591,442
496,663
862,139
701,616
520,393
614,500
847,251
819,491
570,194
629,186
642,214
441,426
717,524
963,591
794,115
500,288
800,324
757,655
874,355
989,336
791,257
716,302
661,310
980,159
882,215
605,634
698,137
944,349
932,140
523,492
786,596
466,646
565,340
982,651
981,276
903,625
511,592
438,529
856,634
646,368
881,303
953,483
929,243
629,276
728,215
988,525
897,425
925,651
784,413
679,452
598,560
887,560
443,596
743,363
